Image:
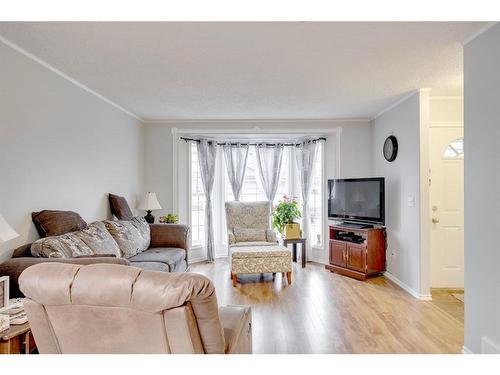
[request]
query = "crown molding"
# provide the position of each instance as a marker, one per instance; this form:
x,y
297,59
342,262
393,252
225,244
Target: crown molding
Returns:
x,y
478,33
254,130
254,121
46,65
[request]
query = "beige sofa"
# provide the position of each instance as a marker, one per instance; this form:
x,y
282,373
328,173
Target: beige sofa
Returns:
x,y
252,243
138,311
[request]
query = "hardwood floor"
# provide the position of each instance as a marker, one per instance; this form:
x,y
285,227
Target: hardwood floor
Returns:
x,y
322,312
444,299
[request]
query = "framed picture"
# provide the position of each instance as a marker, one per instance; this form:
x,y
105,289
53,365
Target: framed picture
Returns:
x,y
4,292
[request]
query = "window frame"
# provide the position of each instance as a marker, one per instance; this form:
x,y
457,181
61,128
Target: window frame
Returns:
x,y
190,197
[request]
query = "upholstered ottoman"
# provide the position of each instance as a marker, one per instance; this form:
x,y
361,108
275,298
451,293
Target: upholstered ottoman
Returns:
x,y
260,259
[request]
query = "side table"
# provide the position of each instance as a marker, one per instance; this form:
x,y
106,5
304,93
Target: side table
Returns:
x,y
294,242
17,340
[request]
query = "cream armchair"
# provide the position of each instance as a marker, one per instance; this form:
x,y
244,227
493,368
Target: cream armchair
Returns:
x,y
252,243
249,218
107,308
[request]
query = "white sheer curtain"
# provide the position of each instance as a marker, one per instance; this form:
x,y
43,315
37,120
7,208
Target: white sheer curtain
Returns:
x,y
269,161
207,155
236,161
305,155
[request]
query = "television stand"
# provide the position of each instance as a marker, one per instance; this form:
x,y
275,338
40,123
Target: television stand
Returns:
x,y
349,224
356,252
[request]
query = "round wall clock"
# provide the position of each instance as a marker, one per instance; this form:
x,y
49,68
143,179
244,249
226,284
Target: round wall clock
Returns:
x,y
390,148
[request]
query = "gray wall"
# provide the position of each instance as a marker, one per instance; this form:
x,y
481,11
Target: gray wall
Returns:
x,y
61,148
482,189
402,179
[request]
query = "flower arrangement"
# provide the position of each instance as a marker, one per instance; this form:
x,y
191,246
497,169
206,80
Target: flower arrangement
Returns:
x,y
169,219
285,212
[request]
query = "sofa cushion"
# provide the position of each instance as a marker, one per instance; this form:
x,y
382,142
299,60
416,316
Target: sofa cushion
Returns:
x,y
253,243
119,207
181,266
100,241
54,223
167,255
152,266
127,236
274,251
249,234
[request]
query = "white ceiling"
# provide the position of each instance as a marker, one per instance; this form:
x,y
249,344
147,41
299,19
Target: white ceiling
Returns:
x,y
252,70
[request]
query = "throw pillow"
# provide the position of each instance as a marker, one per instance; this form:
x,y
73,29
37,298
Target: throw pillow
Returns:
x,y
127,236
120,208
68,245
249,234
143,227
54,223
97,237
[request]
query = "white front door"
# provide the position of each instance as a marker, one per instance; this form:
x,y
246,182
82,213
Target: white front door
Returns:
x,y
447,207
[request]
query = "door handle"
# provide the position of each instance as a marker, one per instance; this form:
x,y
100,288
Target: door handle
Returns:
x,y
435,220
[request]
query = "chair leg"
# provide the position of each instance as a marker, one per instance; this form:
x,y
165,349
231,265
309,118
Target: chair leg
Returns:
x,y
234,278
289,278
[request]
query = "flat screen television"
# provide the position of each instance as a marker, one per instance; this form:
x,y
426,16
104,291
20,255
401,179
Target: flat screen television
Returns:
x,y
360,200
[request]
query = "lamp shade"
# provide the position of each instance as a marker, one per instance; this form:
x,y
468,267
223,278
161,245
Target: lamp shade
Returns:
x,y
6,231
150,202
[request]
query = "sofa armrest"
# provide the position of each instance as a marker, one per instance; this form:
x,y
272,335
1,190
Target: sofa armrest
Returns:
x,y
237,325
169,235
15,266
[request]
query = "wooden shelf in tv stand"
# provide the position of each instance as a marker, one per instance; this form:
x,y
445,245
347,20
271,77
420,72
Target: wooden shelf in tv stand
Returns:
x,y
357,260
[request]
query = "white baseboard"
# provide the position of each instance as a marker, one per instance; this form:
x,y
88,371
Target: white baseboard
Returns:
x,y
466,350
406,288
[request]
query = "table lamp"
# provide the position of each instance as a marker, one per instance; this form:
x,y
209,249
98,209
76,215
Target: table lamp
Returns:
x,y
150,203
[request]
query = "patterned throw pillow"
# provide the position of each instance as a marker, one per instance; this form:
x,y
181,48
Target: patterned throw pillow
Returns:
x,y
249,234
129,238
93,240
68,245
143,227
97,237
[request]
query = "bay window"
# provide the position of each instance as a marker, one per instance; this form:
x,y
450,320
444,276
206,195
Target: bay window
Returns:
x,y
253,191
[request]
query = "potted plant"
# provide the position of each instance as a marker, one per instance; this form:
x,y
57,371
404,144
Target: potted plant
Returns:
x,y
169,219
284,215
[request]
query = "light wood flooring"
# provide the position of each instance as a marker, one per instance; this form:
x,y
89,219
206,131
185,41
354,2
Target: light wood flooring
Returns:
x,y
322,312
444,299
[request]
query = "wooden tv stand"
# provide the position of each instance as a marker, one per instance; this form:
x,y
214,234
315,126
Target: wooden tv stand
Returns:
x,y
357,260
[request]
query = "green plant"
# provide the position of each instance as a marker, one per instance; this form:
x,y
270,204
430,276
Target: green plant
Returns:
x,y
285,212
170,219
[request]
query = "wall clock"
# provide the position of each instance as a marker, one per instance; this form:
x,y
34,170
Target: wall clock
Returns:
x,y
390,148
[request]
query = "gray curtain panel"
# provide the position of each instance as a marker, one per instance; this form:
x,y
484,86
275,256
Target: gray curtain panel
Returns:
x,y
305,155
269,162
236,162
207,154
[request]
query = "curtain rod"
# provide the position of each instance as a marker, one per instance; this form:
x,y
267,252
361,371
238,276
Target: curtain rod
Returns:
x,y
255,144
